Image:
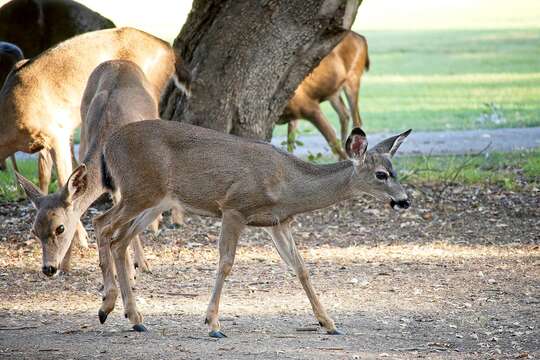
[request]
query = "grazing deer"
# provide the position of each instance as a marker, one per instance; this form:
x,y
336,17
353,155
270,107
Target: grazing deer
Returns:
x,y
41,116
342,69
117,93
156,163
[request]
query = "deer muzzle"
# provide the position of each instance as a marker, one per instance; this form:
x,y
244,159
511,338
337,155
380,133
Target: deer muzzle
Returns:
x,y
49,270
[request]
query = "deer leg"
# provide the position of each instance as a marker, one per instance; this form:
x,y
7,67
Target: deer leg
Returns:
x,y
291,136
286,247
81,236
137,220
103,235
341,110
45,164
352,91
65,265
323,125
154,226
231,227
14,163
177,214
138,251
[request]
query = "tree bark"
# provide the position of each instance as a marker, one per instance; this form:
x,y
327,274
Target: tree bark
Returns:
x,y
248,56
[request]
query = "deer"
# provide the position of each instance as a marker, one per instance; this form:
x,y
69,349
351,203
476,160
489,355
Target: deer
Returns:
x,y
242,181
342,69
36,25
116,94
41,116
10,55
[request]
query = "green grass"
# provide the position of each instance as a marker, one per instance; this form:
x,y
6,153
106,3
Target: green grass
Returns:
x,y
509,170
454,79
8,186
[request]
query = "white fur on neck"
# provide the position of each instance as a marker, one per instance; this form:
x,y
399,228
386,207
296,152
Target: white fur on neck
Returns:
x,y
181,86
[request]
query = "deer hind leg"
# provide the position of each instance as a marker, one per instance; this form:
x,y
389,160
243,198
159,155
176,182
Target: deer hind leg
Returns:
x,y
45,164
352,92
291,135
341,110
286,247
130,221
323,125
231,227
177,214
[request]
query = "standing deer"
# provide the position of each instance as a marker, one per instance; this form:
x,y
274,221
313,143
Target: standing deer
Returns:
x,y
154,164
342,69
41,116
117,93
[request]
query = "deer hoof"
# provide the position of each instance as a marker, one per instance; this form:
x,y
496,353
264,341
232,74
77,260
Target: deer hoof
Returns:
x,y
102,316
335,332
217,334
139,328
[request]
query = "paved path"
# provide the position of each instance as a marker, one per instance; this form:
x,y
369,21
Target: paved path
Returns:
x,y
432,142
440,142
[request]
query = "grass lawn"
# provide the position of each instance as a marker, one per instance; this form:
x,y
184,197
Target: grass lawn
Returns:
x,y
452,79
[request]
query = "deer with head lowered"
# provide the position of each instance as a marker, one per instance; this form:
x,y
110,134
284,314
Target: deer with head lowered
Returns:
x,y
40,100
342,69
117,93
156,163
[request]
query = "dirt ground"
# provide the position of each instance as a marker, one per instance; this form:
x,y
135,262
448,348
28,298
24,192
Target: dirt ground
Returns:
x,y
457,279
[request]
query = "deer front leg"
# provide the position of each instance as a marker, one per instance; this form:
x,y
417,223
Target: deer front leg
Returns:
x,y
177,214
231,228
81,236
286,247
291,135
65,265
323,125
45,164
103,235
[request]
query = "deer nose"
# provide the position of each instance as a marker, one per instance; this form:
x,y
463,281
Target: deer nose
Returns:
x,y
49,270
400,204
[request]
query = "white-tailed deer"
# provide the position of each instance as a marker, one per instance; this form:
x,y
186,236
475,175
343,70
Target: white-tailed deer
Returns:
x,y
117,93
42,115
342,69
156,163
40,100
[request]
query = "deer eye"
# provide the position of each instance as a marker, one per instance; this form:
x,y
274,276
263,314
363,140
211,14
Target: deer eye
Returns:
x,y
59,230
381,175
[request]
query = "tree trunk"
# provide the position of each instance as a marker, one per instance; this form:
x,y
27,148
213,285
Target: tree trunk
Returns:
x,y
248,56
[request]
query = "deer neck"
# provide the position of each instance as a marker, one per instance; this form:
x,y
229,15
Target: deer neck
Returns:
x,y
319,186
95,188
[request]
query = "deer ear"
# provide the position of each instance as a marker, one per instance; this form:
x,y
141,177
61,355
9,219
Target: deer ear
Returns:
x,y
356,145
391,145
32,192
76,185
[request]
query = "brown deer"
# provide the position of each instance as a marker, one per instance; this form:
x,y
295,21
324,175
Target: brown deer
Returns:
x,y
41,116
36,25
342,69
244,182
117,93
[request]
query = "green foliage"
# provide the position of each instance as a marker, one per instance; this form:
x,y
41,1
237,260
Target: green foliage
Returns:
x,y
9,190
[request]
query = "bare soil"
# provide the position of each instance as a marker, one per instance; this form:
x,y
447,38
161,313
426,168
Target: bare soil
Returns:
x,y
452,279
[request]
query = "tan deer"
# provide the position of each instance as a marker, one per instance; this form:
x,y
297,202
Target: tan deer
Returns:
x,y
40,101
42,115
342,69
117,93
154,164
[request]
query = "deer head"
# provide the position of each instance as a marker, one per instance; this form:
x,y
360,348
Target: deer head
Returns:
x,y
375,174
57,217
